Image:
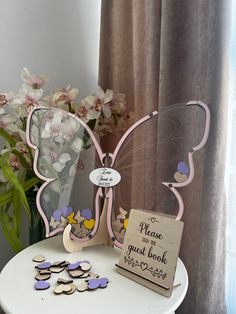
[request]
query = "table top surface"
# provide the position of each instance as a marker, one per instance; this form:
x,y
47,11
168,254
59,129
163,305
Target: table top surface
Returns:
x,y
18,296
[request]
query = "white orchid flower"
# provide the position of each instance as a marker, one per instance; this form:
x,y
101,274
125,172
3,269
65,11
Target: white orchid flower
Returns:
x,y
7,122
35,81
100,102
28,98
64,96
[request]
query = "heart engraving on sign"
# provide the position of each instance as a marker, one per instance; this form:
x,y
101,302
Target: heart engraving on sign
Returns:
x,y
153,219
143,266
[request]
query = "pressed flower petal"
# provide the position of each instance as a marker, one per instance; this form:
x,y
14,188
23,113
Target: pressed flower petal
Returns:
x,y
46,133
64,158
77,145
72,170
58,166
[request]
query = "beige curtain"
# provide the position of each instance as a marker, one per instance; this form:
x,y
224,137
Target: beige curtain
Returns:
x,y
164,52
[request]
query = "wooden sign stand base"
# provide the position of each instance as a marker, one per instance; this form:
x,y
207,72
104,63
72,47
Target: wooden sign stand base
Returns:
x,y
145,282
101,237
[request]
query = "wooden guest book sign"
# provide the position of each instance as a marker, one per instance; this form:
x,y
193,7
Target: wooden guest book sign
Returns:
x,y
150,252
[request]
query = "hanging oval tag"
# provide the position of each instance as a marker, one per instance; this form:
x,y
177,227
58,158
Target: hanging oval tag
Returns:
x,y
105,177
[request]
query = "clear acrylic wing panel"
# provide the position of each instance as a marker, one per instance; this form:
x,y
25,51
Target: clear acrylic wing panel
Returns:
x,y
156,152
65,155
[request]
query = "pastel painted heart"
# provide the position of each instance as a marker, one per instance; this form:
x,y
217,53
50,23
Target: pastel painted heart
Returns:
x,y
126,222
180,177
89,224
45,265
57,215
41,285
103,282
77,265
93,284
143,266
182,167
73,266
66,211
86,213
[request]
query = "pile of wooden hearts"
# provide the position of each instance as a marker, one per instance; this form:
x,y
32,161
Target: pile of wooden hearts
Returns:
x,y
80,269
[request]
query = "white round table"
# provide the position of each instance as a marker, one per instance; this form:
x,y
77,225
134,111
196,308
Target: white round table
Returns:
x,y
18,296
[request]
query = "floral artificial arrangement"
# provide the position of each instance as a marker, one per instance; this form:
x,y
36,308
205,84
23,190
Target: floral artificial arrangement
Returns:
x,y
103,112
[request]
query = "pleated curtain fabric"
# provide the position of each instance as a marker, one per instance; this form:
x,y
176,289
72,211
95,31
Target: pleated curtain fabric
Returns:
x,y
163,52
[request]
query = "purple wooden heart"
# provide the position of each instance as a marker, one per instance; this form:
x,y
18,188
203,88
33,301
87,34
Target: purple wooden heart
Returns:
x,y
86,213
44,265
103,282
41,285
76,265
57,215
73,266
66,211
182,168
93,284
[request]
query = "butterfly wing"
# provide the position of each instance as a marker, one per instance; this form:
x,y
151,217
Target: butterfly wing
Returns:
x,y
66,151
154,159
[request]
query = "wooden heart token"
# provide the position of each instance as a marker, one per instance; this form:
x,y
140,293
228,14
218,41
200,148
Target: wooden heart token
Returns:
x,y
38,259
62,288
44,272
64,281
40,277
56,269
85,266
91,276
180,177
73,289
60,264
83,286
75,273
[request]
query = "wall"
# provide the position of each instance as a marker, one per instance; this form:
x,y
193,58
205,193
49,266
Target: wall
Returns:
x,y
58,38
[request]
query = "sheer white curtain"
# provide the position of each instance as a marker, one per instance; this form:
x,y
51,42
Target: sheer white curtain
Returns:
x,y
231,177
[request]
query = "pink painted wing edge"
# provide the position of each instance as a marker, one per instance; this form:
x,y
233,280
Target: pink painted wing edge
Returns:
x,y
49,180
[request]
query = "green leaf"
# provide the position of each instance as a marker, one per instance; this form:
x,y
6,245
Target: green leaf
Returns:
x,y
11,177
17,206
9,233
7,197
7,137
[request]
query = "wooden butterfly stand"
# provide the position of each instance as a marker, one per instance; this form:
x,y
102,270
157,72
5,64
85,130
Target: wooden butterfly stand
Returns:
x,y
101,238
